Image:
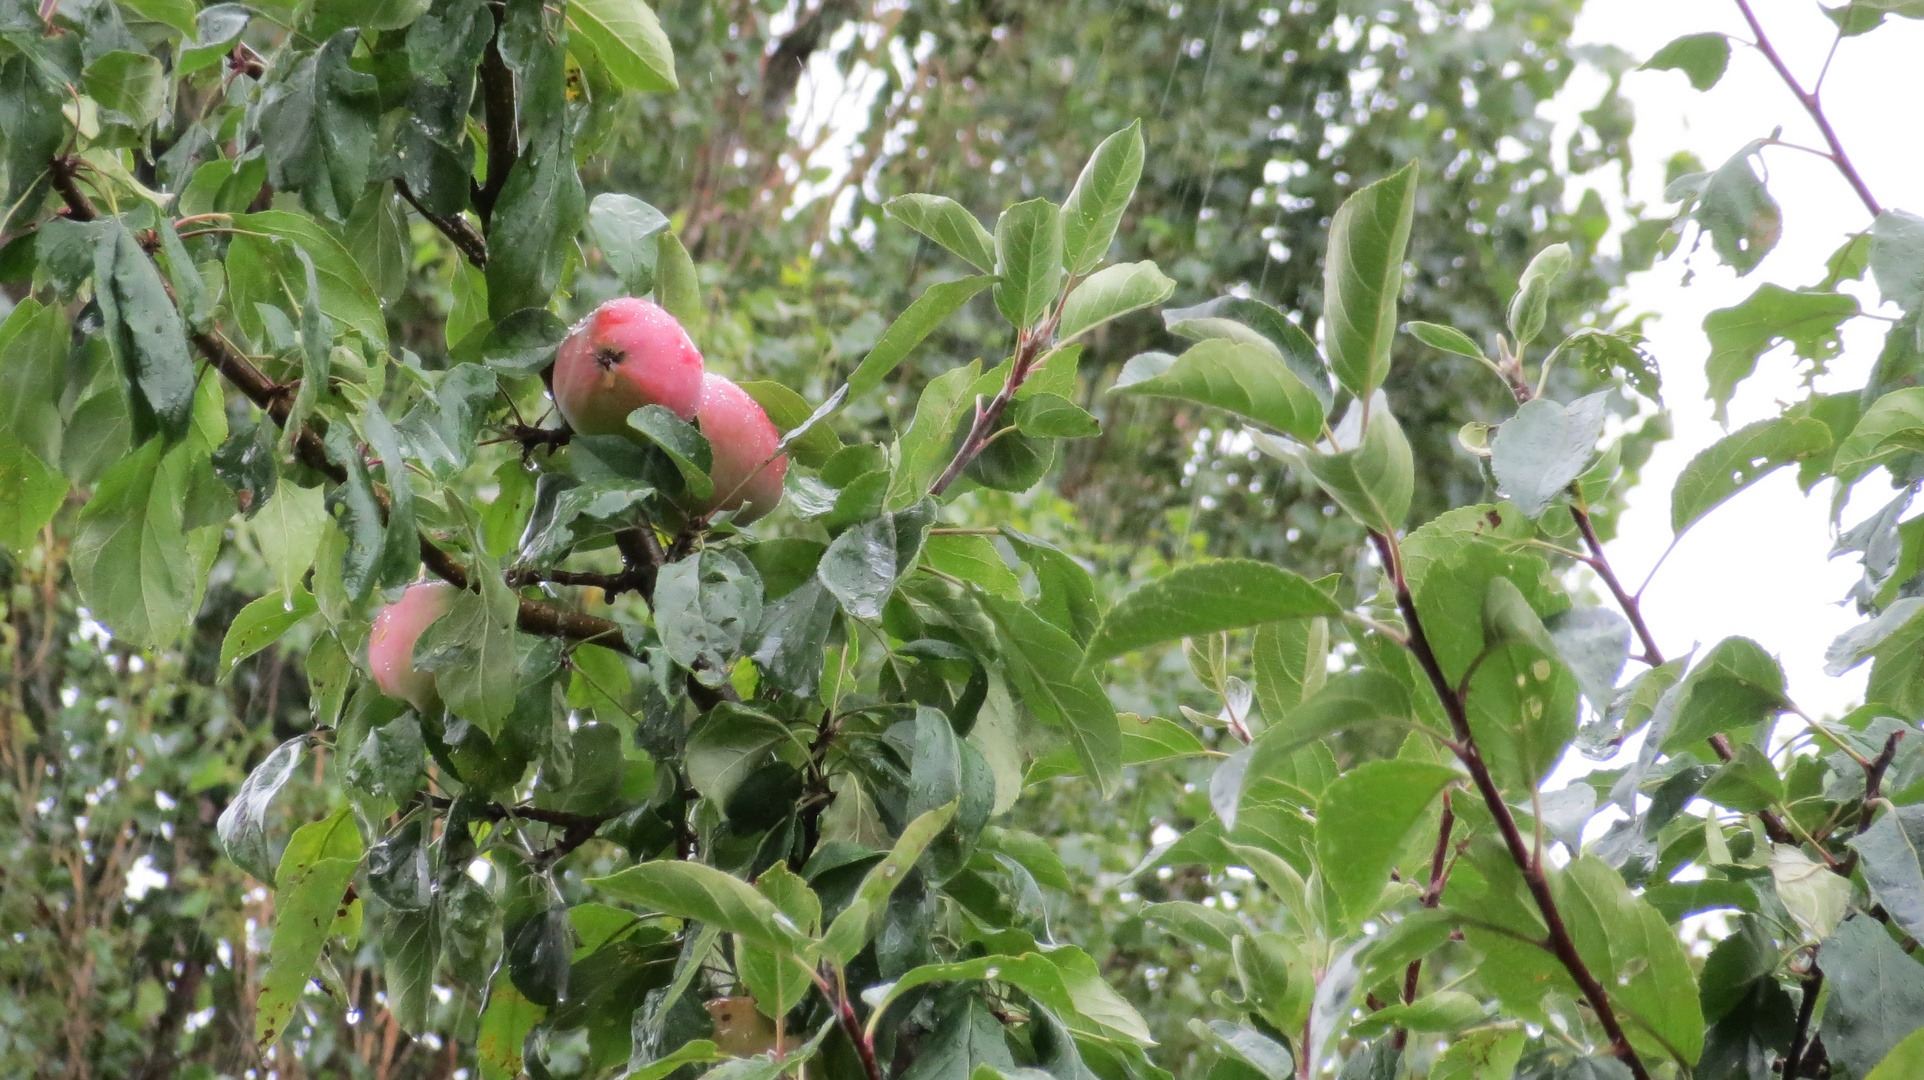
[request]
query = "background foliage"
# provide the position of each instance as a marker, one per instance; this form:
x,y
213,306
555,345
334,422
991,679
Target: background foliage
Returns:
x,y
232,224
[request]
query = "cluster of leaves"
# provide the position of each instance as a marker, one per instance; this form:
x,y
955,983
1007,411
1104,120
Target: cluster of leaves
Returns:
x,y
706,798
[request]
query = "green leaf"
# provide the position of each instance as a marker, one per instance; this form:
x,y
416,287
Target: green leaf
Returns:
x,y
1771,315
690,890
1447,338
726,745
1253,322
1746,783
505,1024
1363,276
1250,1048
794,629
346,296
1045,664
1892,866
1028,261
322,119
695,1052
1374,482
1637,957
684,444
1739,460
34,345
30,495
706,605
1051,416
531,235
410,949
1239,377
923,449
944,221
309,891
1815,898
867,912
1363,821
677,285
178,14
1897,258
1206,926
242,827
140,570
625,229
1096,203
1703,57
809,440
144,330
1290,658
1734,207
1112,292
367,14
967,1035
975,560
915,323
1906,1059
1545,446
1205,598
472,652
1736,685
1447,1011
1876,994
1068,596
863,564
128,84
260,624
1894,424
1531,304
629,39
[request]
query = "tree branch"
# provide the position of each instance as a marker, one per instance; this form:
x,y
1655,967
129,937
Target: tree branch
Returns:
x,y
532,616
1432,896
455,228
63,170
1806,1009
1027,349
1560,943
498,107
1809,100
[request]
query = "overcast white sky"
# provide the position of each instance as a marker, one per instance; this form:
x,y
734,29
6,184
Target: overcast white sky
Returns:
x,y
1757,566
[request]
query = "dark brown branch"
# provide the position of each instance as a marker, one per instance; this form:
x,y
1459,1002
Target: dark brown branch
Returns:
x,y
63,170
455,228
498,107
1809,100
1874,780
1560,943
1432,896
782,71
1806,1009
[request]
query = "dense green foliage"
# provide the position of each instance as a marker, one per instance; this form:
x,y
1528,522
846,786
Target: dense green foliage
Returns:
x,y
847,790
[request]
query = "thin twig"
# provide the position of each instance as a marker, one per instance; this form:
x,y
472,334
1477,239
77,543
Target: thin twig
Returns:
x,y
1808,99
1432,896
455,228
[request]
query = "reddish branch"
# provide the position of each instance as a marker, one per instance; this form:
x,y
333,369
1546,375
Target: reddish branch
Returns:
x,y
1809,100
1559,943
1028,348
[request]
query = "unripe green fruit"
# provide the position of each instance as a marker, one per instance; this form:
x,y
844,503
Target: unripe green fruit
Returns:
x,y
742,437
390,645
629,353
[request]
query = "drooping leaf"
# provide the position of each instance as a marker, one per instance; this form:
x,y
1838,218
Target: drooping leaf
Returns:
x,y
1045,665
863,564
322,119
1889,850
706,606
625,228
1894,424
695,891
260,624
1373,482
242,827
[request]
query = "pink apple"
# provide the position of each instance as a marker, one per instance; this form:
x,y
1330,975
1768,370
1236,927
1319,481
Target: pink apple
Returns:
x,y
743,438
390,645
629,353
